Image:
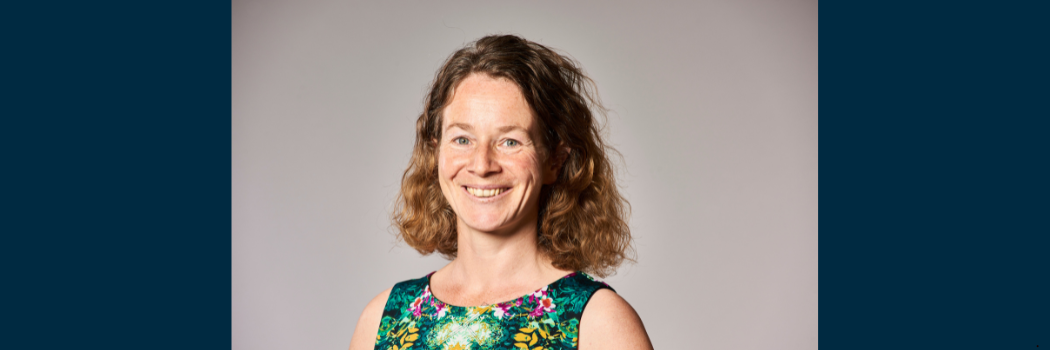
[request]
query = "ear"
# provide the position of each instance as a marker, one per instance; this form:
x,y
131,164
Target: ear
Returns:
x,y
554,163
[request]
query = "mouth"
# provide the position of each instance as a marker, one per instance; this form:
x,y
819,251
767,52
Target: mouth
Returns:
x,y
487,192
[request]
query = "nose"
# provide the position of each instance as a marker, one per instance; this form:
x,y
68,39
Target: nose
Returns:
x,y
484,162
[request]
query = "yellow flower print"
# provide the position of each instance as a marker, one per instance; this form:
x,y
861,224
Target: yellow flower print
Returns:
x,y
481,310
535,338
406,336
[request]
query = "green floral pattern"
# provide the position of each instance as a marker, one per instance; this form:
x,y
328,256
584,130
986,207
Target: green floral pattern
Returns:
x,y
548,318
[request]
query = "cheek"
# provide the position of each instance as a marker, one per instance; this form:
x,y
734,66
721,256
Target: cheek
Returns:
x,y
442,166
527,164
448,164
445,176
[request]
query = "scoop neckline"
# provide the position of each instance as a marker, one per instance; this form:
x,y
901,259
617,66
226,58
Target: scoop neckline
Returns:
x,y
508,302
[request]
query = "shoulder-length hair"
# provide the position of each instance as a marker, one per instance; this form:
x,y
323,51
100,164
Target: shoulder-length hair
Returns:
x,y
583,218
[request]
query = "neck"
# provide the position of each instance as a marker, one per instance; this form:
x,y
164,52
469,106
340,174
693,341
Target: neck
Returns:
x,y
487,259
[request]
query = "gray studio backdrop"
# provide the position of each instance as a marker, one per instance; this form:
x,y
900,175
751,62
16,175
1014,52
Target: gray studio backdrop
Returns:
x,y
714,108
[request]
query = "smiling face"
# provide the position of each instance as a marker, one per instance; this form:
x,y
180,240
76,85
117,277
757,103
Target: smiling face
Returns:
x,y
490,163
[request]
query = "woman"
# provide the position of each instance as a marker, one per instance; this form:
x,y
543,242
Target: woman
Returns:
x,y
509,179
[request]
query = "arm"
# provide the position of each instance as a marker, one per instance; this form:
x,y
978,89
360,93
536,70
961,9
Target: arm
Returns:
x,y
368,324
609,322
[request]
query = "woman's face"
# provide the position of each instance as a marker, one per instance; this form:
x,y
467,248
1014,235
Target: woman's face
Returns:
x,y
490,165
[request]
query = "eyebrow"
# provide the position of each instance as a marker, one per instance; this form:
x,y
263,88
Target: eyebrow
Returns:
x,y
462,126
501,129
466,127
512,127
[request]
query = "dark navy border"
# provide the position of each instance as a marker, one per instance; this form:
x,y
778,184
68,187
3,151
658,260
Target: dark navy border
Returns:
x,y
116,152
935,146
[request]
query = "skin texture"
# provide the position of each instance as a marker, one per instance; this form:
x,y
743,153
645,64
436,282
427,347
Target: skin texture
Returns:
x,y
490,138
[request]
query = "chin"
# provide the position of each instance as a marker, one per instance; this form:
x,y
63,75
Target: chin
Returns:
x,y
485,224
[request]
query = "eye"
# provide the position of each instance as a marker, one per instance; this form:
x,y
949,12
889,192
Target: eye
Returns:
x,y
512,143
461,141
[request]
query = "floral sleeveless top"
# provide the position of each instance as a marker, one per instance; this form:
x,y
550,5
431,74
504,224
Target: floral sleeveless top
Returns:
x,y
548,318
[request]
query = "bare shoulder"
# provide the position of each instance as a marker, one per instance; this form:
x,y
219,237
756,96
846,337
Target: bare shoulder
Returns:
x,y
609,322
368,324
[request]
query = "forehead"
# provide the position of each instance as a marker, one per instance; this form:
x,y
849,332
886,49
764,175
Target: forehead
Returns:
x,y
485,102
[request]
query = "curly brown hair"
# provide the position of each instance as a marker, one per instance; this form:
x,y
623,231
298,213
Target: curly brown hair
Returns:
x,y
583,218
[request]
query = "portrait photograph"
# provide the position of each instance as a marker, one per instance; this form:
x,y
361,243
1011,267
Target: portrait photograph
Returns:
x,y
524,174
534,175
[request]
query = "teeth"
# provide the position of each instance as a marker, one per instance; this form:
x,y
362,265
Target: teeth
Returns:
x,y
484,193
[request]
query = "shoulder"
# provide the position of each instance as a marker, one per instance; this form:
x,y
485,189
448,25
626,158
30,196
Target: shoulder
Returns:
x,y
609,322
375,306
368,323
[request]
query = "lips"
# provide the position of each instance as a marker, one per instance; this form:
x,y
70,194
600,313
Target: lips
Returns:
x,y
486,192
